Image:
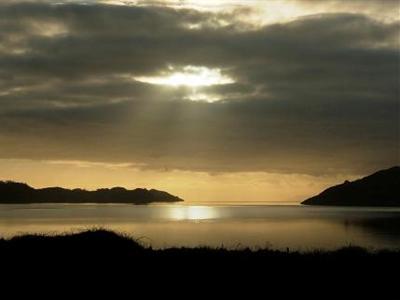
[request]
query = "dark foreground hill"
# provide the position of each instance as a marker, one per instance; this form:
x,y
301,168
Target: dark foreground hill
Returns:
x,y
100,261
18,193
108,248
105,246
379,189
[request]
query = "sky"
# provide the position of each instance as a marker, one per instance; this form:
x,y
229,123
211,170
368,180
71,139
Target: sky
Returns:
x,y
235,101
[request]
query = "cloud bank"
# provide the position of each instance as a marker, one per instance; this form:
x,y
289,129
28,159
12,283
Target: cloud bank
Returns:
x,y
317,94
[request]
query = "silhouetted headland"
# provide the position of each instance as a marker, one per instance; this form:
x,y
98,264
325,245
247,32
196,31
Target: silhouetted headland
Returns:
x,y
21,193
379,189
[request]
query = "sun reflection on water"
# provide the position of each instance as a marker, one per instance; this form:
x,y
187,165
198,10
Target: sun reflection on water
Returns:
x,y
192,213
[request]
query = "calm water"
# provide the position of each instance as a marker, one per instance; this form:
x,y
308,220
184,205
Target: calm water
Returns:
x,y
231,226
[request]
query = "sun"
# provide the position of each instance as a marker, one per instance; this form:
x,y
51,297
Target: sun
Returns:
x,y
192,76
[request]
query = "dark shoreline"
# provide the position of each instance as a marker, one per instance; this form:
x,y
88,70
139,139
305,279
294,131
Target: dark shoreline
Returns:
x,y
102,242
98,259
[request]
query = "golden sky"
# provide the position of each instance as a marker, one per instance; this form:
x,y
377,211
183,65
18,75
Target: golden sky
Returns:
x,y
194,187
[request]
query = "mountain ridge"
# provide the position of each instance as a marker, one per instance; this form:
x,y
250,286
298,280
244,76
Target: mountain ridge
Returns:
x,y
21,193
381,188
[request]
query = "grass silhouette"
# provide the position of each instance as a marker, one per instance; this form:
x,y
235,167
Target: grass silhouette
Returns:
x,y
100,258
108,245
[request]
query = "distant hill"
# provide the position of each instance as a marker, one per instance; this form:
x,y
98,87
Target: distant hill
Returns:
x,y
18,193
379,189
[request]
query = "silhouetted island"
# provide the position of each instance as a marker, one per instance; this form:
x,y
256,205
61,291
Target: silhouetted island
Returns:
x,y
379,189
19,193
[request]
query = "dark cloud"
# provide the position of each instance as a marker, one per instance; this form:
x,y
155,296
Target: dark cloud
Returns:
x,y
319,94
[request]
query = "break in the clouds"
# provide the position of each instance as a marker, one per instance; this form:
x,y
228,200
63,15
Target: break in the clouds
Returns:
x,y
172,86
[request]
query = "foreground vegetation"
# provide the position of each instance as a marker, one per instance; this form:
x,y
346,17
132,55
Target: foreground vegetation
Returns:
x,y
99,259
108,245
